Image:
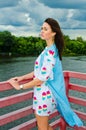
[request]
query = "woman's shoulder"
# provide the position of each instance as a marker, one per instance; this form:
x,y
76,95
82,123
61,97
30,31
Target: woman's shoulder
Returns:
x,y
52,50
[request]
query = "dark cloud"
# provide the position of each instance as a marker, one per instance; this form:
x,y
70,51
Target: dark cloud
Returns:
x,y
69,4
80,15
8,3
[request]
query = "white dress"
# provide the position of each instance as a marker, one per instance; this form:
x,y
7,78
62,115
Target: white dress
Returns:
x,y
51,94
43,100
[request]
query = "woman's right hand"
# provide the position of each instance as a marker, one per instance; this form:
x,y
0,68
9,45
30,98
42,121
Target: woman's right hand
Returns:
x,y
14,83
18,79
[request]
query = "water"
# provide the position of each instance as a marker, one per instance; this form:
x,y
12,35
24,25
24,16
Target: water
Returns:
x,y
10,67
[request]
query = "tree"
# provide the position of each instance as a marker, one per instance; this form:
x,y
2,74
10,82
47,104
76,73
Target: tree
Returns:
x,y
79,39
8,41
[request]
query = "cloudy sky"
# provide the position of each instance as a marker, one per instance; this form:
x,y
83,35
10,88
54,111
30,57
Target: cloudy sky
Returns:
x,y
25,17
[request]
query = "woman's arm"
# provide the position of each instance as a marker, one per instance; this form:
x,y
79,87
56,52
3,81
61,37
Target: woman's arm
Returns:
x,y
35,82
27,76
31,84
23,77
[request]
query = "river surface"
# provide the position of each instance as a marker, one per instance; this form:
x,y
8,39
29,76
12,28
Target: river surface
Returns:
x,y
10,67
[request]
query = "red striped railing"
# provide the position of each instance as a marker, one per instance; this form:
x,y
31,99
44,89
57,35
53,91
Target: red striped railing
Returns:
x,y
12,120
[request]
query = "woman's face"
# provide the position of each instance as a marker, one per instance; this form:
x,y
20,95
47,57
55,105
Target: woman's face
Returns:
x,y
46,32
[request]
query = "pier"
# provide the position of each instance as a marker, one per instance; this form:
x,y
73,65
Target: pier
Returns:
x,y
56,121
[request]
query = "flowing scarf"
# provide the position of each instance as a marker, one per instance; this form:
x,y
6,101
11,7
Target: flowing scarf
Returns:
x,y
57,87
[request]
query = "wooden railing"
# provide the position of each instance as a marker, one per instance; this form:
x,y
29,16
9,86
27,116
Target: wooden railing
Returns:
x,y
22,118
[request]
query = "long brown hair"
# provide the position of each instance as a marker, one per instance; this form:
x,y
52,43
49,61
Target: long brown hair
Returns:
x,y
59,41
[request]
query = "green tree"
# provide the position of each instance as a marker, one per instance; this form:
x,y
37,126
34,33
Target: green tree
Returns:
x,y
8,41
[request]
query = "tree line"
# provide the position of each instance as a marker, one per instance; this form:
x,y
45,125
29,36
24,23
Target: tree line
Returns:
x,y
32,46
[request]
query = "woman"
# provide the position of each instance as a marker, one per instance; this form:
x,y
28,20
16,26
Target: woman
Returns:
x,y
48,81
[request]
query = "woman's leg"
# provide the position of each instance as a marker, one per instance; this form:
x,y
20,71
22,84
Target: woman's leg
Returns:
x,y
42,122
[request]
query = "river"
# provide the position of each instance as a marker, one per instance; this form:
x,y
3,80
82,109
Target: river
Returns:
x,y
10,67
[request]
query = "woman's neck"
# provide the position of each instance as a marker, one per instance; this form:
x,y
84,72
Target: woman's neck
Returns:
x,y
49,43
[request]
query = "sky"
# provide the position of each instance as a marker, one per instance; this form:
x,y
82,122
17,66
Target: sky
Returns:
x,y
25,17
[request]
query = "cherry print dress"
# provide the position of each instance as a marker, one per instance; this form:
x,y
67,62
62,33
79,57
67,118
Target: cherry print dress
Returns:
x,y
43,100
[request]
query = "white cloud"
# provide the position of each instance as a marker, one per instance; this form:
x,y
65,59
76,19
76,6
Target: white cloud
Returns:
x,y
70,13
25,17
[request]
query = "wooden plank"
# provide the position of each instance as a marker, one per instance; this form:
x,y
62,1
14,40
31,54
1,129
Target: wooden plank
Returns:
x,y
78,128
73,74
12,116
82,115
15,98
6,86
75,100
26,126
77,87
55,124
32,123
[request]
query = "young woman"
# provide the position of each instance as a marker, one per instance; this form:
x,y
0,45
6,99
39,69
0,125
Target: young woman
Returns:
x,y
48,81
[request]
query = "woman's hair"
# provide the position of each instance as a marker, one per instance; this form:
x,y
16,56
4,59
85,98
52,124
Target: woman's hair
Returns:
x,y
59,40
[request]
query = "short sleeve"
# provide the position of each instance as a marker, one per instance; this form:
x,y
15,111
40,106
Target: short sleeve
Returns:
x,y
46,71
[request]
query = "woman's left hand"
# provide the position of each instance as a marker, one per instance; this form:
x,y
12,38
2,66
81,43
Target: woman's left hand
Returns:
x,y
14,83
